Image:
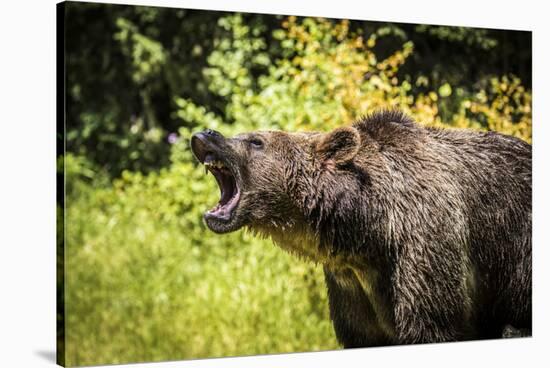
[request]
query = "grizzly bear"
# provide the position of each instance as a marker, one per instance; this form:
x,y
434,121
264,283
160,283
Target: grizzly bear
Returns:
x,y
424,234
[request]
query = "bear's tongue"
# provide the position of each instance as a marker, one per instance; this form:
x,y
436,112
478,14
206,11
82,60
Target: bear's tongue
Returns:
x,y
229,193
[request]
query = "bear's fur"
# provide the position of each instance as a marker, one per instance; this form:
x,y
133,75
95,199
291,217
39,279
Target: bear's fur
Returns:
x,y
424,234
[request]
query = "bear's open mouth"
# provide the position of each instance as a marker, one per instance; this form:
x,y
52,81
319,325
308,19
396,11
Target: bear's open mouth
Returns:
x,y
210,149
229,190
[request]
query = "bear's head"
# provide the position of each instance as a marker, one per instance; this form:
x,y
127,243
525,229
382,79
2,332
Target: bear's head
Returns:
x,y
270,178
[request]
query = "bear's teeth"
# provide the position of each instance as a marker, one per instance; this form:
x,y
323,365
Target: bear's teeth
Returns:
x,y
215,164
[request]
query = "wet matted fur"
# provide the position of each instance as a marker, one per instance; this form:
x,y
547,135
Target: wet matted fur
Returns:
x,y
424,234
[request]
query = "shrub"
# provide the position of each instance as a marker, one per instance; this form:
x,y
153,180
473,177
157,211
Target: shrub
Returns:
x,y
331,76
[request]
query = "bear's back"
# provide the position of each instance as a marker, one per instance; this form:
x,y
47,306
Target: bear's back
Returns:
x,y
456,186
466,154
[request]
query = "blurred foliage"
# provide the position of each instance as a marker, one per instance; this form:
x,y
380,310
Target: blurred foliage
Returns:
x,y
469,36
329,76
125,65
145,280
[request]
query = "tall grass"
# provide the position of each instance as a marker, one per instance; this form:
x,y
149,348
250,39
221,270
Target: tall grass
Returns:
x,y
140,287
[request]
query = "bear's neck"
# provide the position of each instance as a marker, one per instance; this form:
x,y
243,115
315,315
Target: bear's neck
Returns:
x,y
294,235
331,203
308,229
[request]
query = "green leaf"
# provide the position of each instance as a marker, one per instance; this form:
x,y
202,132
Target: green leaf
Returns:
x,y
445,90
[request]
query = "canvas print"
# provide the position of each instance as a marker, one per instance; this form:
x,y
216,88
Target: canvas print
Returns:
x,y
235,184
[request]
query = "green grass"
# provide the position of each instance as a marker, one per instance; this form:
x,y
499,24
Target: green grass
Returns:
x,y
143,285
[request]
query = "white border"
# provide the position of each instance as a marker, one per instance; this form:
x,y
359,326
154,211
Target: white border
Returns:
x,y
27,180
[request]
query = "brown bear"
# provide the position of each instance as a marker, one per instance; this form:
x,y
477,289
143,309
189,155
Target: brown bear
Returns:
x,y
424,233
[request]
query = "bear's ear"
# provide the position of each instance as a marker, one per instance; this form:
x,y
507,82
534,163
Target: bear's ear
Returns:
x,y
341,145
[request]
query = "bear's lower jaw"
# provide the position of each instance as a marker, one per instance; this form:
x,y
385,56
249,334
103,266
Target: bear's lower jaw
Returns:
x,y
220,225
225,218
225,208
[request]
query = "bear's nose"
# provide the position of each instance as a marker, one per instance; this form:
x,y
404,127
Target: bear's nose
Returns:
x,y
212,133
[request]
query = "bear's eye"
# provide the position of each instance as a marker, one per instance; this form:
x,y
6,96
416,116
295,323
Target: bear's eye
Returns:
x,y
255,143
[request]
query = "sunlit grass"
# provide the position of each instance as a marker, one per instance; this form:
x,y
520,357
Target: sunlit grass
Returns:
x,y
138,289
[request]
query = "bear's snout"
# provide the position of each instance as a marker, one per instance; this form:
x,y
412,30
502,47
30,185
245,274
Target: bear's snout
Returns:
x,y
206,141
212,133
